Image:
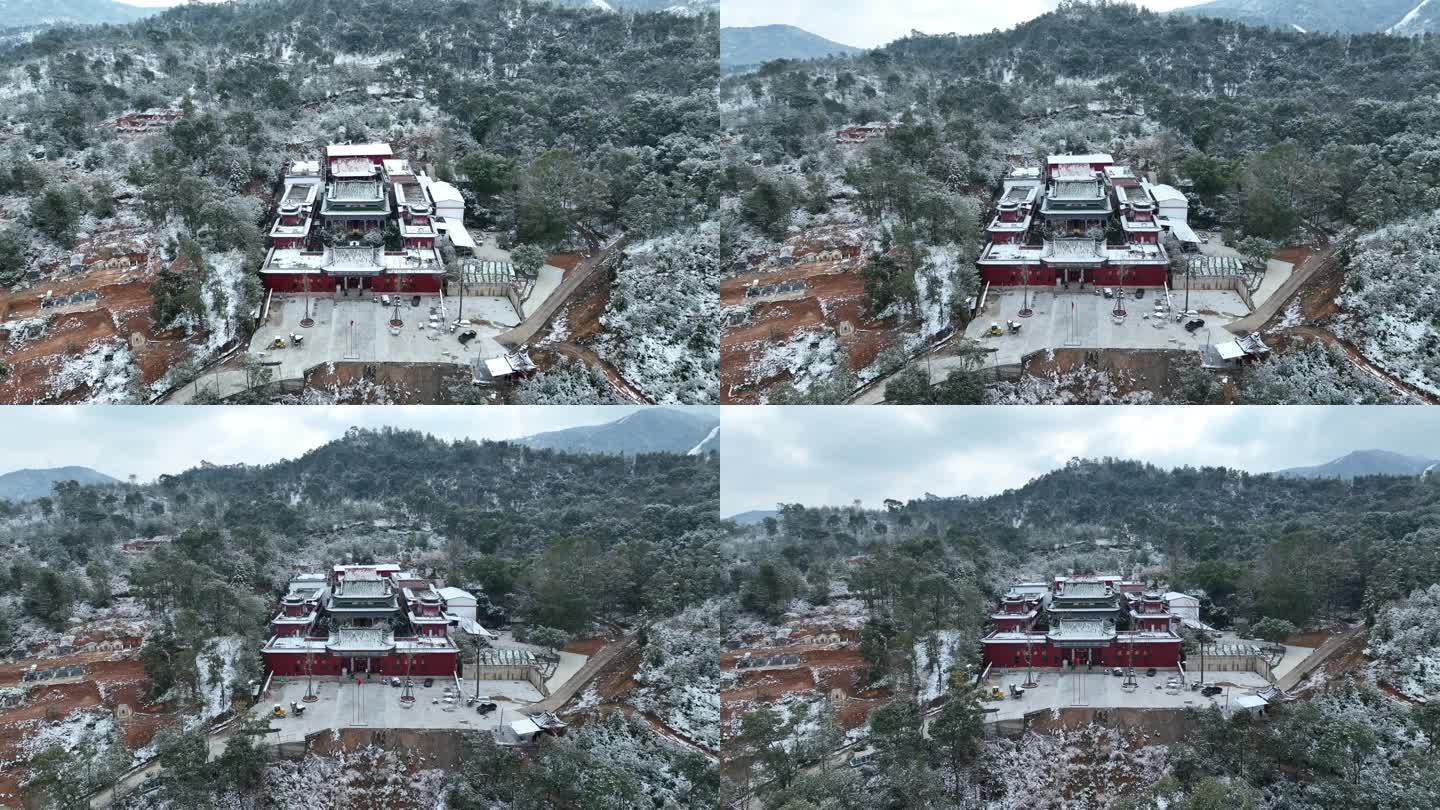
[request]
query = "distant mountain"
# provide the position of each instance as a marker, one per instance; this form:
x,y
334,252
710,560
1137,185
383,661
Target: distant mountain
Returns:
x,y
27,13
24,485
653,430
1399,17
744,47
1364,462
753,516
675,6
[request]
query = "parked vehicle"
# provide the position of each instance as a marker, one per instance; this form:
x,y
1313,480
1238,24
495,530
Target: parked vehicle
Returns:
x,y
486,708
1193,325
1150,673
466,336
429,682
1117,671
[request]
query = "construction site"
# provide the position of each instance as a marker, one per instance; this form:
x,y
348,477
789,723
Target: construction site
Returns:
x,y
82,330
796,317
86,684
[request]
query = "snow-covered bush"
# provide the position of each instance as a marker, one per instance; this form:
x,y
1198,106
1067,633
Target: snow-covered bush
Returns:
x,y
1405,643
1392,299
664,316
680,674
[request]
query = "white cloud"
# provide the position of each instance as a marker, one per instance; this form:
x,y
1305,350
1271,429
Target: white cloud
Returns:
x,y
147,441
831,456
867,24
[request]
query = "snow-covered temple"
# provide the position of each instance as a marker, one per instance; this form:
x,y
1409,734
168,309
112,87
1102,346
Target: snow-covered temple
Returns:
x,y
1075,622
374,619
331,221
1079,220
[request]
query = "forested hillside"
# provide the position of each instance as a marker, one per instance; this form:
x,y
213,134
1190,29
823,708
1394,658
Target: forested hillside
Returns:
x,y
563,127
1345,16
572,544
914,582
749,47
27,13
1285,137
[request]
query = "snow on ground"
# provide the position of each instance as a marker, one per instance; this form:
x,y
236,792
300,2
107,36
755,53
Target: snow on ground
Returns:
x,y
663,316
369,777
679,677
934,674
81,728
1080,769
1405,644
1392,299
1083,385
632,747
106,369
807,356
215,690
936,285
222,294
24,330
695,451
559,330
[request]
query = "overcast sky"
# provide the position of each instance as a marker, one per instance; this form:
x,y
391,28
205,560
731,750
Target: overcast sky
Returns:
x,y
868,23
147,441
833,455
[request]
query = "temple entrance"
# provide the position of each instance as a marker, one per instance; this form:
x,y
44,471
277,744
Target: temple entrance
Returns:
x,y
348,284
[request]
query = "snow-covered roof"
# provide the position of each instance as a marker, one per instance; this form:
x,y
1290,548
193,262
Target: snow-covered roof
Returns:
x,y
355,191
1058,160
342,259
471,626
1249,702
397,167
524,727
452,594
498,367
340,150
1067,190
1010,252
1084,590
1171,596
1083,250
441,191
360,639
295,644
352,167
1182,231
1136,252
304,168
455,229
1163,193
1083,630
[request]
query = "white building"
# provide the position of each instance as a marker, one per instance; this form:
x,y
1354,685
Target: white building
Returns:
x,y
1183,605
458,601
450,214
1254,705
1170,203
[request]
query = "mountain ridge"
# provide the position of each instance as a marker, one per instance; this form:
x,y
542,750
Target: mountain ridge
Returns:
x,y
748,46
653,430
1397,17
1363,462
29,484
31,13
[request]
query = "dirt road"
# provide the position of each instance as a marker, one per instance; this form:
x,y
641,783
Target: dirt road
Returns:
x,y
590,358
526,329
580,679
